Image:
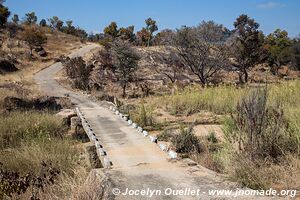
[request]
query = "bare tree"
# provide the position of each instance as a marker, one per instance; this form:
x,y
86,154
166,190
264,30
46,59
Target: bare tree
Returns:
x,y
202,50
168,64
104,70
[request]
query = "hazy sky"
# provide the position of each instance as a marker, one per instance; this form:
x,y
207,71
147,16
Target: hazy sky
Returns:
x,y
94,15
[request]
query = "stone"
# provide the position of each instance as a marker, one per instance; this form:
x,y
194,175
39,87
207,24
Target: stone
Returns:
x,y
172,154
145,133
42,53
101,152
129,122
107,162
153,139
163,147
97,144
93,138
134,125
93,157
140,129
74,123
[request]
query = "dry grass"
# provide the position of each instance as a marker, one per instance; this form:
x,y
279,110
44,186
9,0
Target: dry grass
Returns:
x,y
282,174
22,127
97,186
29,66
28,138
261,174
222,99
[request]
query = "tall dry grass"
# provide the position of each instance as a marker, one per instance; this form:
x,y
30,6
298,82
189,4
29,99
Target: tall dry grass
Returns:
x,y
24,127
220,100
281,173
30,138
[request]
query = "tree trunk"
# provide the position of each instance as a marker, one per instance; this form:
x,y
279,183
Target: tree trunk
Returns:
x,y
148,43
31,51
246,76
243,76
124,90
202,80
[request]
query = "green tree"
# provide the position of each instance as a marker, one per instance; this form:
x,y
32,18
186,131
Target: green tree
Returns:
x,y
151,27
69,28
34,38
125,61
43,23
69,23
164,37
278,46
55,23
79,72
4,14
127,33
143,36
111,30
296,53
15,19
247,47
30,18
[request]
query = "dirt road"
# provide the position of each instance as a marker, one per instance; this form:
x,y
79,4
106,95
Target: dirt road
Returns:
x,y
137,163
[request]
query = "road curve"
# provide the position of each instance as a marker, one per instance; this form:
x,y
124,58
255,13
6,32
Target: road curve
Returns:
x,y
137,163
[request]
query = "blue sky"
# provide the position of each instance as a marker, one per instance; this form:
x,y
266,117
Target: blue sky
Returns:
x,y
94,15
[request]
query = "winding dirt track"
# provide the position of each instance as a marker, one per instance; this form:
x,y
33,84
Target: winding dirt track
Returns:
x,y
137,163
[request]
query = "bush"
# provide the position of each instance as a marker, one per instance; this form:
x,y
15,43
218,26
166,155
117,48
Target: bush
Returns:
x,y
212,137
34,37
12,182
78,71
166,135
262,129
4,14
142,115
187,142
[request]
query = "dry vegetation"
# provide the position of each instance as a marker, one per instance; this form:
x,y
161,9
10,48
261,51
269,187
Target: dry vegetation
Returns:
x,y
34,147
31,138
244,120
278,167
20,83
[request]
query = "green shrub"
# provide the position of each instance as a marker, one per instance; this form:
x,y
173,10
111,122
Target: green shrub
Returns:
x,y
212,137
187,142
165,135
